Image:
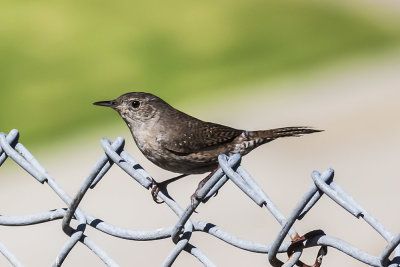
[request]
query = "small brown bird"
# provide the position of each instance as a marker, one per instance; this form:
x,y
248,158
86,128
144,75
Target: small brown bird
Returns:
x,y
181,143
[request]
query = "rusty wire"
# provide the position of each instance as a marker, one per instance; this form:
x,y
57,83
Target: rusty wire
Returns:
x,y
181,232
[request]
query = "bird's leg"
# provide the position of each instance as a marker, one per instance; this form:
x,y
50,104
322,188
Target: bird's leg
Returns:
x,y
201,184
157,187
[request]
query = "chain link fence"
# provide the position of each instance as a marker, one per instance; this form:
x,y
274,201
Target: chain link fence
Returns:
x,y
180,233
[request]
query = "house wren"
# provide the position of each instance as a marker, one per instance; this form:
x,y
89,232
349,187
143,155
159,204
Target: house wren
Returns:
x,y
181,143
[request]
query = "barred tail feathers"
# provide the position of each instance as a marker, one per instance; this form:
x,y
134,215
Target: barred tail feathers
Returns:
x,y
266,136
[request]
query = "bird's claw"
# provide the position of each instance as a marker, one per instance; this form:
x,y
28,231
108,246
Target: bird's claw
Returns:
x,y
196,197
155,189
154,194
193,199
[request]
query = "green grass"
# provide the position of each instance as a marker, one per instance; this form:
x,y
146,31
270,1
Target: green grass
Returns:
x,y
58,57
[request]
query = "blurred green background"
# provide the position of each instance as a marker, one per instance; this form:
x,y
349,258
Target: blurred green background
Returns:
x,y
57,57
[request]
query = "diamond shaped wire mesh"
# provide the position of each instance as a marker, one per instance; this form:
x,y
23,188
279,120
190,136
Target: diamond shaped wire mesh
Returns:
x,y
180,233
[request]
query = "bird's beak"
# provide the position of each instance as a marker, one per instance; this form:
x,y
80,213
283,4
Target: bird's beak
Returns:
x,y
110,103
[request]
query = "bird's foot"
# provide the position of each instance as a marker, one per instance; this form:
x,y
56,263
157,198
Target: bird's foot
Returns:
x,y
193,199
195,196
157,187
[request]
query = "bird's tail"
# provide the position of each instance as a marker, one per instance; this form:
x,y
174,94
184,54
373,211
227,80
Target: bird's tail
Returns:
x,y
266,136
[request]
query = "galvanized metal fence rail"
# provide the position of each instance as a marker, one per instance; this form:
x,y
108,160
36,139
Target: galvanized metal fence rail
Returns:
x,y
180,233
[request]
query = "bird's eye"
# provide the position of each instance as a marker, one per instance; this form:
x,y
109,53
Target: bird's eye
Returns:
x,y
135,104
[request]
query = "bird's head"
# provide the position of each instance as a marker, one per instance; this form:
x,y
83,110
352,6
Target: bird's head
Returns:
x,y
136,107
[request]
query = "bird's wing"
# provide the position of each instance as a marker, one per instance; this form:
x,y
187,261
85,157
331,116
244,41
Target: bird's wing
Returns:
x,y
199,136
